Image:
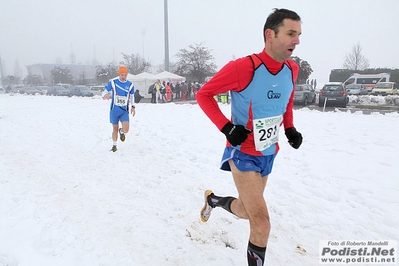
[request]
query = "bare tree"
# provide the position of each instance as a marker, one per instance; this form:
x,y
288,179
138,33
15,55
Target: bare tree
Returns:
x,y
105,73
355,60
172,67
34,80
196,62
135,63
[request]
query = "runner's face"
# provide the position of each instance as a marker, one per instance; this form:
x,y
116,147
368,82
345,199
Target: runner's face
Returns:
x,y
123,76
280,46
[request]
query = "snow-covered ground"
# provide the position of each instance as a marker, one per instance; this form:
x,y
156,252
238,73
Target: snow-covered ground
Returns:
x,y
65,199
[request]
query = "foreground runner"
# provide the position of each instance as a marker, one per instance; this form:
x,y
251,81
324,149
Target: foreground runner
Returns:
x,y
262,90
122,97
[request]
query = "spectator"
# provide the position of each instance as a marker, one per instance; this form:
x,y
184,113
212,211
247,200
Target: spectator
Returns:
x,y
158,88
195,89
168,90
137,96
184,91
163,91
178,90
189,88
152,91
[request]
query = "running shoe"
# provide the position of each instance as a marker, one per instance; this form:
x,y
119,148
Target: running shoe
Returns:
x,y
114,149
122,135
207,209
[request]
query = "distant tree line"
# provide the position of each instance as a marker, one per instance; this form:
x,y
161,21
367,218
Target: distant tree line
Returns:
x,y
195,63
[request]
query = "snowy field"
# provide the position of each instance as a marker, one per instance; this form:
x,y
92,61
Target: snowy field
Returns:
x,y
65,199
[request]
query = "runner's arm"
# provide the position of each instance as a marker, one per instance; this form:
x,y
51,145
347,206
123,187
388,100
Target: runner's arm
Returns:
x,y
107,88
105,92
288,117
234,76
132,100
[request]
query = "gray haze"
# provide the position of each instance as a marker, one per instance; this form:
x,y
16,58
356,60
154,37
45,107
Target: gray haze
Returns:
x,y
43,30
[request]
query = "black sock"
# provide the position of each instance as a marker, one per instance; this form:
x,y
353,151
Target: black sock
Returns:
x,y
224,202
255,255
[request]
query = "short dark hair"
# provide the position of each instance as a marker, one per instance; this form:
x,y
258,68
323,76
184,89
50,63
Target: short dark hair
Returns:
x,y
276,18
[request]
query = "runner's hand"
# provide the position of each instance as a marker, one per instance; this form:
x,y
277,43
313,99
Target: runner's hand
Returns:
x,y
235,134
294,137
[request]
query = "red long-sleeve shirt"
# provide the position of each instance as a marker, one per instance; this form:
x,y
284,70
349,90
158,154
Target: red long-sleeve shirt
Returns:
x,y
235,76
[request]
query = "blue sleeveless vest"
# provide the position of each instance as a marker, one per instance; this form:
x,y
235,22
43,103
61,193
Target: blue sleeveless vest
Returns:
x,y
266,95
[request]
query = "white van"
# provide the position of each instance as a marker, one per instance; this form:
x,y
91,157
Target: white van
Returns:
x,y
368,80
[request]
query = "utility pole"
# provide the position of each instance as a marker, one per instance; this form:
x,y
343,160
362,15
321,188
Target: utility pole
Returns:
x,y
1,72
142,39
166,35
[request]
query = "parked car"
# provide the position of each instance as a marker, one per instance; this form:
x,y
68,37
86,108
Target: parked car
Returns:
x,y
65,85
356,89
97,90
335,94
385,88
58,91
43,89
81,90
33,91
13,89
304,94
22,90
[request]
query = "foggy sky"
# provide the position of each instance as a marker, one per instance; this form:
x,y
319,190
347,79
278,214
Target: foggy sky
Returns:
x,y
43,30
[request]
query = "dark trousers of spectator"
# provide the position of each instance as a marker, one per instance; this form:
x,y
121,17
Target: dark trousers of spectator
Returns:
x,y
153,98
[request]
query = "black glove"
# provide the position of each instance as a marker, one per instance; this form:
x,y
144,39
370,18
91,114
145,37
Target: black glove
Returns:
x,y
294,137
235,134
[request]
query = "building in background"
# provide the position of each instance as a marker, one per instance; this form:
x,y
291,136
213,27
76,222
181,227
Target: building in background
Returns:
x,y
77,71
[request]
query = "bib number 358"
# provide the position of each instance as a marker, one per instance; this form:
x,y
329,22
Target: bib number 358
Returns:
x,y
266,131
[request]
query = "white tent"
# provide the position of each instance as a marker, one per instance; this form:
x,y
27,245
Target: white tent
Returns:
x,y
142,82
144,75
168,76
130,76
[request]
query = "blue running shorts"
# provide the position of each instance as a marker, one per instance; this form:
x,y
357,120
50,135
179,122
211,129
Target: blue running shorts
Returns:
x,y
118,114
245,162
